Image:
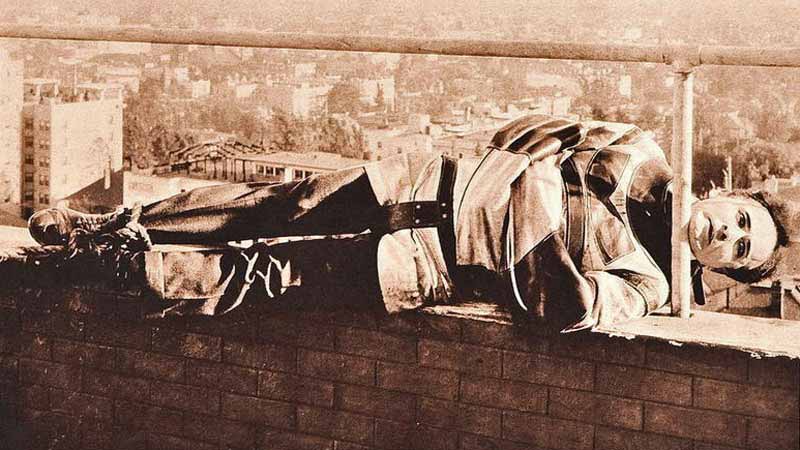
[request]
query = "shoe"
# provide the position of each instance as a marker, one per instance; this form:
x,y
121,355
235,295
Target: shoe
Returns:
x,y
53,226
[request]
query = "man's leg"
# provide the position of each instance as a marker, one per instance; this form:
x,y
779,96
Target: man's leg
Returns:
x,y
340,202
315,273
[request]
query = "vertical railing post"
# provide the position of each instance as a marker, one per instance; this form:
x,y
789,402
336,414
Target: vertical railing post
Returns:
x,y
682,111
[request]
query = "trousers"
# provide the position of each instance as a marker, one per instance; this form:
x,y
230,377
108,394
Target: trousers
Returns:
x,y
336,203
340,202
406,266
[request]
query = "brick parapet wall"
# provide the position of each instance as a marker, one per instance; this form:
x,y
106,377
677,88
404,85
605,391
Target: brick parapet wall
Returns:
x,y
79,369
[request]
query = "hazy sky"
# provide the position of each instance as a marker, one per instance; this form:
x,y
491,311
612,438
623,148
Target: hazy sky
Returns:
x,y
693,18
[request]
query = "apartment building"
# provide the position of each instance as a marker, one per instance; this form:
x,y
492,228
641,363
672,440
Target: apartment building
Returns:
x,y
299,100
68,141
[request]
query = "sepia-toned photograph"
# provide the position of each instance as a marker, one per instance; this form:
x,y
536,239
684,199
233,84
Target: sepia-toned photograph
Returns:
x,y
405,225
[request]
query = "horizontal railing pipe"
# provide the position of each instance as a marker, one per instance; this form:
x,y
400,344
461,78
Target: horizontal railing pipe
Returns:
x,y
696,55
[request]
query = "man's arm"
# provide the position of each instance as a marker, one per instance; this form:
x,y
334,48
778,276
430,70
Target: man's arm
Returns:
x,y
548,285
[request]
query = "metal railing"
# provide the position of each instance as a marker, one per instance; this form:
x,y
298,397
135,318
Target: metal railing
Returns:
x,y
682,58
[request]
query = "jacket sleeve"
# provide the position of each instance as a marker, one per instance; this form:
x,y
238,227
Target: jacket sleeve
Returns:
x,y
547,284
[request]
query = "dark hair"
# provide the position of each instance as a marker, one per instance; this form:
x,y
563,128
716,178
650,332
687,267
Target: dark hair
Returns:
x,y
778,212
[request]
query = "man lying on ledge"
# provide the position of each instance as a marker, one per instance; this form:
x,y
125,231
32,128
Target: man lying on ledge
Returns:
x,y
567,221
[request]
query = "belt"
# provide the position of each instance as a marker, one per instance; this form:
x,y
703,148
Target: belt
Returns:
x,y
426,214
576,210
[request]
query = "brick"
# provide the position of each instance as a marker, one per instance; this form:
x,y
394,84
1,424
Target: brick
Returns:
x,y
707,446
48,430
8,368
401,436
81,406
616,439
376,402
126,438
418,380
405,323
54,324
277,329
34,397
745,399
9,320
118,334
35,346
224,432
51,374
258,410
315,335
135,415
281,440
96,435
295,389
716,363
459,416
644,384
189,345
238,324
772,434
185,398
332,366
696,424
133,309
775,372
95,303
356,318
542,369
473,442
504,336
109,384
10,394
376,344
460,357
259,356
504,394
596,408
169,442
334,424
547,432
600,347
420,323
80,353
342,445
430,326
224,377
150,365
470,442
8,298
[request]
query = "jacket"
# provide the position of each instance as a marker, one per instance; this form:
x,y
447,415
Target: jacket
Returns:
x,y
571,216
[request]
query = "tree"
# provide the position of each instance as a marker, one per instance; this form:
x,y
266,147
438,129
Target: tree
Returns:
x,y
707,171
285,132
149,131
344,98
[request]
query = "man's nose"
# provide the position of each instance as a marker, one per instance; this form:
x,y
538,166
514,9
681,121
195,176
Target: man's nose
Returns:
x,y
724,234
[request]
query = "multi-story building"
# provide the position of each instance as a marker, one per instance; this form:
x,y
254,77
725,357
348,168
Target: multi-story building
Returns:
x,y
69,142
299,100
10,124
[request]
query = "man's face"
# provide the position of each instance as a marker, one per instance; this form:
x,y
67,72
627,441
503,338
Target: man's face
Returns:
x,y
731,232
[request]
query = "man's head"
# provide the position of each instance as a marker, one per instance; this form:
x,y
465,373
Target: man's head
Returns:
x,y
738,234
